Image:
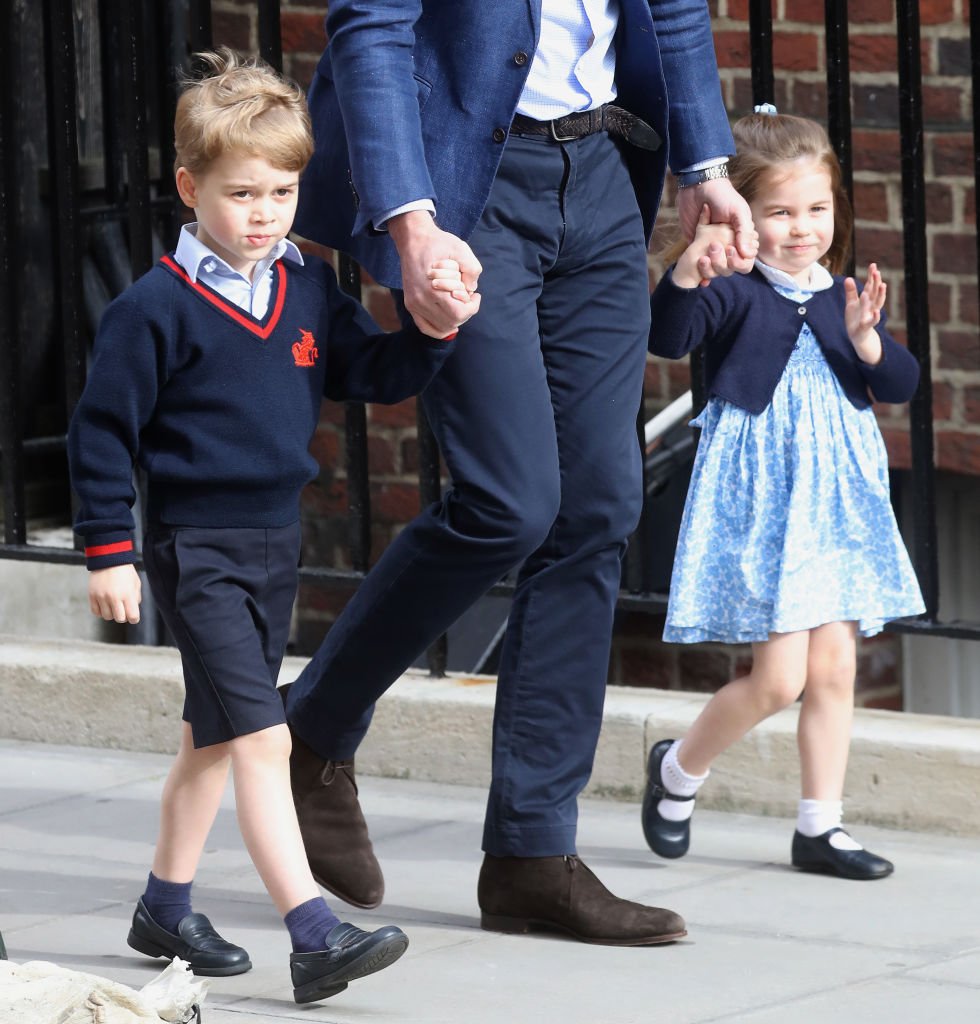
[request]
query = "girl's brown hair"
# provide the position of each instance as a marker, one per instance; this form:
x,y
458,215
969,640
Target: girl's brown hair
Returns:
x,y
240,106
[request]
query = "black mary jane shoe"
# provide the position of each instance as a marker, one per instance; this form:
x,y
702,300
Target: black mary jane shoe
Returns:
x,y
666,838
818,854
351,953
195,941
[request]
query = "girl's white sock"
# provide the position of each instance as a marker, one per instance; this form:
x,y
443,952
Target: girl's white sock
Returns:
x,y
818,816
678,782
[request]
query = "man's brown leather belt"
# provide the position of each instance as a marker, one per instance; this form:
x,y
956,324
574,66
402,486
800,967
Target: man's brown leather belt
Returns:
x,y
619,123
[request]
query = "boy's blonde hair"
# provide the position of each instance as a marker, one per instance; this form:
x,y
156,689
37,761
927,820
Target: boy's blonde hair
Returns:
x,y
765,141
243,106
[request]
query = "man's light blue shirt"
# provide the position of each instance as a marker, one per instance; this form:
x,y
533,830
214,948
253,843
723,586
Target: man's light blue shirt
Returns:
x,y
204,265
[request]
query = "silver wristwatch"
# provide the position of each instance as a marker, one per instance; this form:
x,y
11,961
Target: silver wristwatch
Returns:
x,y
688,178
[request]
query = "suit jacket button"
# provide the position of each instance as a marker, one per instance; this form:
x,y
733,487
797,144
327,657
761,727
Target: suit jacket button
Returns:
x,y
520,58
802,311
499,134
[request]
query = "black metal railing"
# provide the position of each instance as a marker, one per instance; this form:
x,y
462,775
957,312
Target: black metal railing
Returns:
x,y
141,44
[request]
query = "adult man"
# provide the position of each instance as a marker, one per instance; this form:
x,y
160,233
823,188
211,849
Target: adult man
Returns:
x,y
458,107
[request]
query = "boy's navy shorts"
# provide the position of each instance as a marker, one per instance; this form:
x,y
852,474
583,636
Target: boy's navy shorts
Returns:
x,y
226,596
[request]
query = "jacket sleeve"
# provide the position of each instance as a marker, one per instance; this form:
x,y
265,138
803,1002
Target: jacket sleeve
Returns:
x,y
682,318
698,122
127,371
895,376
371,45
366,364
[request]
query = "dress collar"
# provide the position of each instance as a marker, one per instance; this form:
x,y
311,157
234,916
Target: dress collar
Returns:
x,y
820,278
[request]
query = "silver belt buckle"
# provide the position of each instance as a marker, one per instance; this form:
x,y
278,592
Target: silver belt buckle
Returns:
x,y
556,136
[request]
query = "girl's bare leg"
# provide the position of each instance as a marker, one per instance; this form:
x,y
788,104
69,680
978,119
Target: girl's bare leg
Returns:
x,y
778,674
824,730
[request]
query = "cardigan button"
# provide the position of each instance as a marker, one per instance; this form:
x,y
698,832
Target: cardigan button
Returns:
x,y
802,311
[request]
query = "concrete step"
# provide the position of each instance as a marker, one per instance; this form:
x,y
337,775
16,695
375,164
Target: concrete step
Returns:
x,y
910,771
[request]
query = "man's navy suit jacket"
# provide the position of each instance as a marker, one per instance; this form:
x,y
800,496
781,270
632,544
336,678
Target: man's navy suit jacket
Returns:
x,y
424,91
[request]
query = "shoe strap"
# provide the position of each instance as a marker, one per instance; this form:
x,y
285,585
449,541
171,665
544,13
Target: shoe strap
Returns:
x,y
661,793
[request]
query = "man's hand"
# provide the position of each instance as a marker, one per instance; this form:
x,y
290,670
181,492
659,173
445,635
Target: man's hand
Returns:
x,y
421,245
115,593
726,206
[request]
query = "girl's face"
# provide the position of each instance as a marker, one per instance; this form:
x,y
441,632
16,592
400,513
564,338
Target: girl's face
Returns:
x,y
794,215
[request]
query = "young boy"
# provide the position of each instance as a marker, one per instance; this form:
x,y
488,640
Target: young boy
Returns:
x,y
209,372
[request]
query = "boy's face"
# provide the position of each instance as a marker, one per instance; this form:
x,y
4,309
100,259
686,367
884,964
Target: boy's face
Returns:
x,y
244,207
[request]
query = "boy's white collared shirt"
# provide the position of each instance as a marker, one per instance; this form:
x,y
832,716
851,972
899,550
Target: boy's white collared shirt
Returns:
x,y
201,264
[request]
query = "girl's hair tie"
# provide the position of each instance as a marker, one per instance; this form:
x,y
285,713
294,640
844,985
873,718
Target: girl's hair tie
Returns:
x,y
765,108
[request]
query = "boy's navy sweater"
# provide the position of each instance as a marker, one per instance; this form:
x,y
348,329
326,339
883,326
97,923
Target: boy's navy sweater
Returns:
x,y
219,408
750,330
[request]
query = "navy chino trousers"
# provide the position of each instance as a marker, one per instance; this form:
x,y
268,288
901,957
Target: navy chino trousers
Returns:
x,y
535,414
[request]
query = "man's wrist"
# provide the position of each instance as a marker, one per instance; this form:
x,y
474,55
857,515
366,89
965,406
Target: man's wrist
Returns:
x,y
688,179
403,226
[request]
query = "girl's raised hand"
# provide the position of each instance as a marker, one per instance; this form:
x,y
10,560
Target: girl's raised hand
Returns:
x,y
863,312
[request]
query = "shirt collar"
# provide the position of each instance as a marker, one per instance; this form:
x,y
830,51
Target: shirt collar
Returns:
x,y
194,256
820,278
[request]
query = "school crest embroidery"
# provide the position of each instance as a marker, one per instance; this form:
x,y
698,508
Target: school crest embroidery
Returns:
x,y
305,352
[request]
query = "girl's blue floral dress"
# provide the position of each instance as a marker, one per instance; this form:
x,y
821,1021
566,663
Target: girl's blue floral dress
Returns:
x,y
788,522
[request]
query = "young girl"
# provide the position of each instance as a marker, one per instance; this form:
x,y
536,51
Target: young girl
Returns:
x,y
788,539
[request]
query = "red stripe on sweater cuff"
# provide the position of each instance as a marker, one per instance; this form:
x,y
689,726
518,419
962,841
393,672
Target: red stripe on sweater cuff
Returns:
x,y
109,549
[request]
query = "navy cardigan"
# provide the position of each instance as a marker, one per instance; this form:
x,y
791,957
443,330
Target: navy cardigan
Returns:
x,y
749,331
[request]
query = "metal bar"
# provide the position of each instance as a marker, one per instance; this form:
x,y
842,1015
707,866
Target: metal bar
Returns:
x,y
132,49
171,56
760,44
839,97
11,420
355,449
199,19
975,68
430,490
270,33
924,554
956,629
113,152
64,189
101,213
42,445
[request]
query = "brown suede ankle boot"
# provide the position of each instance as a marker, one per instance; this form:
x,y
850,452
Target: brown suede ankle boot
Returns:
x,y
518,893
334,831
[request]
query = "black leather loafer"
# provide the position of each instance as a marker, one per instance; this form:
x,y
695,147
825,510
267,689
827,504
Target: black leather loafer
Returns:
x,y
196,942
351,953
666,838
817,854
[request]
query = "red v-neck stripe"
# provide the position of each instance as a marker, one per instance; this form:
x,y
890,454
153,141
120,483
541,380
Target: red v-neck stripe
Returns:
x,y
231,310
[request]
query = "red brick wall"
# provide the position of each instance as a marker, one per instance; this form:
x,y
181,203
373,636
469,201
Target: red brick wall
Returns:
x,y
799,56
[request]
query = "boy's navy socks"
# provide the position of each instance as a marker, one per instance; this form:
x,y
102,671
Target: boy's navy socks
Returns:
x,y
167,902
308,925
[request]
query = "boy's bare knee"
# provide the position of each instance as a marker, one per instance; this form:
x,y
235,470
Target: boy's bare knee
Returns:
x,y
271,744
